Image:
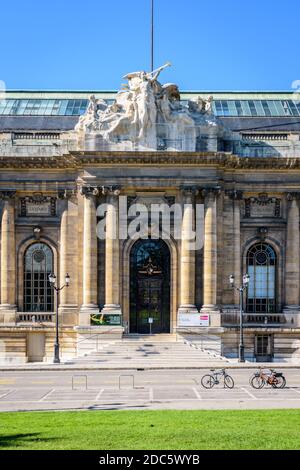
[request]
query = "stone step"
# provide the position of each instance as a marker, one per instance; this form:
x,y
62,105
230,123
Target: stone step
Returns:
x,y
138,351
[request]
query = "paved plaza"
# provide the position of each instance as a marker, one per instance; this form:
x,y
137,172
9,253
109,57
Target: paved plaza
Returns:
x,y
161,389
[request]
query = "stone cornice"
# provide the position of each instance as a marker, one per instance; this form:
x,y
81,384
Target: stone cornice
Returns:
x,y
64,162
78,160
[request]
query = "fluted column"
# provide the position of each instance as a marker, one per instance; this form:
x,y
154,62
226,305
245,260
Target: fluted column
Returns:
x,y
8,257
187,255
292,253
210,250
90,301
68,258
112,254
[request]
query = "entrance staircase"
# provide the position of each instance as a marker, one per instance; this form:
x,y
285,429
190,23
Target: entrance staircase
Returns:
x,y
149,351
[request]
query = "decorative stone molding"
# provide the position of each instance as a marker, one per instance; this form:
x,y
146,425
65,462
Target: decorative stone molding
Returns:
x,y
78,160
262,206
37,231
89,191
111,190
37,205
293,196
95,191
6,195
262,232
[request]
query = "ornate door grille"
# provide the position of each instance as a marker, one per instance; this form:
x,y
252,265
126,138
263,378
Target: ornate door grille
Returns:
x,y
150,287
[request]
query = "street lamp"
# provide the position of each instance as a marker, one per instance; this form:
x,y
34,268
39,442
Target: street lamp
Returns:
x,y
52,281
246,279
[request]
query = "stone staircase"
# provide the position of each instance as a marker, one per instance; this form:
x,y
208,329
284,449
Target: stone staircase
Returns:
x,y
145,351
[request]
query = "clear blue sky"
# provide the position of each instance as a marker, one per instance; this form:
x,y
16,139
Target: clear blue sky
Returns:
x,y
213,45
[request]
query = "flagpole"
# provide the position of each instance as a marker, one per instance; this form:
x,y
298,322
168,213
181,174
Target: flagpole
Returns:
x,y
152,35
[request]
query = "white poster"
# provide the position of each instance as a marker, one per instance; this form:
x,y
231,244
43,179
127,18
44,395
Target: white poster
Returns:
x,y
192,319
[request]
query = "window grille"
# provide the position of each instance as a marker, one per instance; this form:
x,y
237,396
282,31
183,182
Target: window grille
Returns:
x,y
38,264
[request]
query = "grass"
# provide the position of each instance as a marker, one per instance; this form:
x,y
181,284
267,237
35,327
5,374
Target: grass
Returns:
x,y
151,430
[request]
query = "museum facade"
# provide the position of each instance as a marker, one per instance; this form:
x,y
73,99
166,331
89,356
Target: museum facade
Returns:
x,y
71,163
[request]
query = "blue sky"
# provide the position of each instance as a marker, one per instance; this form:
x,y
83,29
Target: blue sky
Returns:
x,y
213,45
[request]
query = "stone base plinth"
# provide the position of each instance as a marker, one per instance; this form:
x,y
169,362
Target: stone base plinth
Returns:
x,y
188,309
214,315
68,314
85,314
111,309
8,314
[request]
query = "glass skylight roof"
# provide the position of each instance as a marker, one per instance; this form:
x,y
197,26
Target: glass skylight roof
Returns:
x,y
32,107
77,107
255,108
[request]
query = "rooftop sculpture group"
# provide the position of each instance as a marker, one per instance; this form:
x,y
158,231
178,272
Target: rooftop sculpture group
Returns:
x,y
146,115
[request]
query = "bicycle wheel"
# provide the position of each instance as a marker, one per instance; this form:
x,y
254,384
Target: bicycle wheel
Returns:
x,y
279,382
207,381
228,381
257,382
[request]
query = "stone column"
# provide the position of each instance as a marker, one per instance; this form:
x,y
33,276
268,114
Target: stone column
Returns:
x,y
8,258
112,254
68,306
187,255
292,253
236,197
90,300
210,250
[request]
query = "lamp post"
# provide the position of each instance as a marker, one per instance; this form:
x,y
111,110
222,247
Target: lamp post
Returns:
x,y
52,281
246,279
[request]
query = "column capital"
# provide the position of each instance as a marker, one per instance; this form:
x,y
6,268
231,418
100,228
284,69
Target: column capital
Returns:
x,y
211,191
189,190
293,196
7,195
91,190
189,193
66,194
111,190
234,194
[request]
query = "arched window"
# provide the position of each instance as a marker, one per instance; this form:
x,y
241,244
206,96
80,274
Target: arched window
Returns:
x,y
261,267
38,264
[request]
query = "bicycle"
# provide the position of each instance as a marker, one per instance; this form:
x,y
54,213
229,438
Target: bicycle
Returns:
x,y
210,380
271,377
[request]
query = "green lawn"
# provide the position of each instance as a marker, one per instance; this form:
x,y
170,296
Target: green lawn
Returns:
x,y
147,430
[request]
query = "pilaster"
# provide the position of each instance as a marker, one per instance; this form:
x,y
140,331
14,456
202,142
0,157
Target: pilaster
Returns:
x,y
292,254
8,259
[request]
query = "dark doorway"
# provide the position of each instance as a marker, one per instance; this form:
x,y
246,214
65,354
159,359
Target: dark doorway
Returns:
x,y
150,287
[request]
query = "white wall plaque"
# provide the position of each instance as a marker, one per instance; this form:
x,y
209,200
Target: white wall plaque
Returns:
x,y
43,208
192,319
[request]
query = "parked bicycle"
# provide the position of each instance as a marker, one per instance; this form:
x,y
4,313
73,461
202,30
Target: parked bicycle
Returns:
x,y
210,380
267,377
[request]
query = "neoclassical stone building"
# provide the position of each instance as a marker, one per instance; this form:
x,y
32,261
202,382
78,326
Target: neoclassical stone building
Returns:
x,y
240,164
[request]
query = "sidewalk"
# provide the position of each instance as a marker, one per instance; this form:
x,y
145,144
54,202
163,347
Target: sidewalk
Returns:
x,y
124,366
